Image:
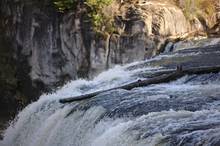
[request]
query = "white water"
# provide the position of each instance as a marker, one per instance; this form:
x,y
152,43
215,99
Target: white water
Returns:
x,y
37,124
49,123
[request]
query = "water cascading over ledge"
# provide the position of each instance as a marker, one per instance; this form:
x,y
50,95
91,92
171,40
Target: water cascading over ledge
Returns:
x,y
41,49
182,112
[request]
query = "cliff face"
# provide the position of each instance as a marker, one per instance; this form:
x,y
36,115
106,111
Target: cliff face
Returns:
x,y
41,49
143,28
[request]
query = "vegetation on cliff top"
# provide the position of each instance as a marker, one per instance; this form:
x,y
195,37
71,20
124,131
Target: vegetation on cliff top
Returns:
x,y
63,5
202,9
102,23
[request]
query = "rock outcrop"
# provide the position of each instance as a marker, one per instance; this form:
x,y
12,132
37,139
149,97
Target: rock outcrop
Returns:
x,y
143,28
40,50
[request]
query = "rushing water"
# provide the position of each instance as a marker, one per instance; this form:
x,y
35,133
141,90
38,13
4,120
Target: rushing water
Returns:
x,y
183,112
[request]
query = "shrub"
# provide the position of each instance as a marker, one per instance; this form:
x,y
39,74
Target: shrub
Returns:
x,y
63,5
206,7
198,8
101,22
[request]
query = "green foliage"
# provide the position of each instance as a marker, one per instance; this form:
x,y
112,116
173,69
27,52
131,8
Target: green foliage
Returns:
x,y
98,4
102,23
63,5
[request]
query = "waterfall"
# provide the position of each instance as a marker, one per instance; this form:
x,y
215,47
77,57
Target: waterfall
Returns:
x,y
182,112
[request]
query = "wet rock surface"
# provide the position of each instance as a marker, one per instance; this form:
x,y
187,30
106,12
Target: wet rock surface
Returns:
x,y
192,57
119,102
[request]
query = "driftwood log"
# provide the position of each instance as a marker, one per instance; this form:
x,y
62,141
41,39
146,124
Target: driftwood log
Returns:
x,y
163,78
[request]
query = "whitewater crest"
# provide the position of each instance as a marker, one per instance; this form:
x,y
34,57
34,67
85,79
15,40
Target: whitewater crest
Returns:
x,y
182,112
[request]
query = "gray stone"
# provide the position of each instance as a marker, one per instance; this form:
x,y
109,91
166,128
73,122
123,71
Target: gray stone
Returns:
x,y
187,44
169,47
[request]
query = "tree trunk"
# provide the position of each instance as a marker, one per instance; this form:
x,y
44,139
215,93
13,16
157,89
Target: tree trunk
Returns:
x,y
163,78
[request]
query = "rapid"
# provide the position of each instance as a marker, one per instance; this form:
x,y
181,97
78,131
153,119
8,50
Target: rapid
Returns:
x,y
184,112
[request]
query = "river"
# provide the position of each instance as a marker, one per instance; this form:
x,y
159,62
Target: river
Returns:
x,y
184,112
